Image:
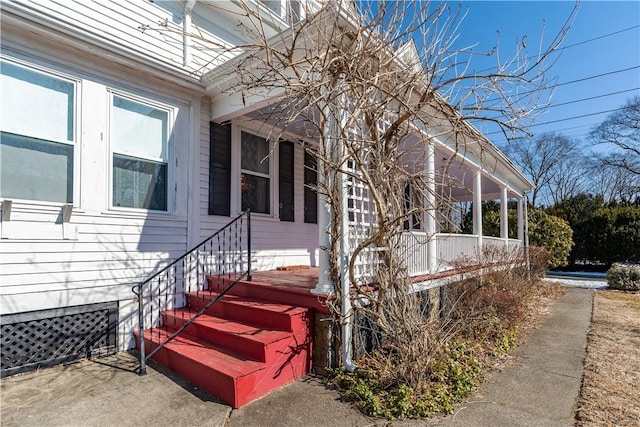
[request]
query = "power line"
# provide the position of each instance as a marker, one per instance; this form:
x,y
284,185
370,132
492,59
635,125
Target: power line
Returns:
x,y
577,117
576,44
592,97
599,37
570,82
593,77
565,119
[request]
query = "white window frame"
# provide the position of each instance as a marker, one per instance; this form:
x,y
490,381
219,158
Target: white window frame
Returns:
x,y
34,67
236,189
170,161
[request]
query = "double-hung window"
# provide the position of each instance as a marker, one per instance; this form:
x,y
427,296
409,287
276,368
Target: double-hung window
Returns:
x,y
255,173
37,123
140,148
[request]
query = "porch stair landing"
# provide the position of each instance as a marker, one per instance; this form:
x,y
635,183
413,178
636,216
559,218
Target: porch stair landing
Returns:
x,y
282,286
242,347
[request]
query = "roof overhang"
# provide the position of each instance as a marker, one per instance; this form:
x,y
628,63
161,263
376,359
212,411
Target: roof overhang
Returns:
x,y
448,128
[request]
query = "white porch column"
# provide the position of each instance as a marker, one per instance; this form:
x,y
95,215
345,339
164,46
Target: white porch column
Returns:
x,y
477,206
521,220
325,286
430,211
504,216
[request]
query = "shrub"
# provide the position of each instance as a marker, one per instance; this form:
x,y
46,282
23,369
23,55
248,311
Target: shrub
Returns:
x,y
538,261
553,234
480,320
624,277
453,374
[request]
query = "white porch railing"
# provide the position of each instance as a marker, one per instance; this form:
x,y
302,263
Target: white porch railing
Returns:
x,y
455,246
515,243
449,247
413,249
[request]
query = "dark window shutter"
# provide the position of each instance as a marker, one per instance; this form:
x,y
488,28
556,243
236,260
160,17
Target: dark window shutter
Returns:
x,y
310,194
220,169
285,177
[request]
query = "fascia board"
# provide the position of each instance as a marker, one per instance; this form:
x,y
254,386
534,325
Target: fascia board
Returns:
x,y
223,77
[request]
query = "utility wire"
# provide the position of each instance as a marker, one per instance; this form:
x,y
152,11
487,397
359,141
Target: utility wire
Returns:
x,y
592,97
599,37
577,117
565,119
576,44
571,82
592,77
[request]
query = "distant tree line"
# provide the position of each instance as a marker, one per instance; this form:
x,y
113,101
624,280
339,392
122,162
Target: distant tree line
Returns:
x,y
606,164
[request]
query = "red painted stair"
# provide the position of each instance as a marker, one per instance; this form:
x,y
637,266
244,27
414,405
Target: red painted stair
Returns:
x,y
270,292
240,349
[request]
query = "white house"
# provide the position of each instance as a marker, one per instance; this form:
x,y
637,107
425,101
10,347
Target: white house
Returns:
x,y
119,152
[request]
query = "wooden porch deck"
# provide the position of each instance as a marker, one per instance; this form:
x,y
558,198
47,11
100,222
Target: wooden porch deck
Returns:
x,y
295,285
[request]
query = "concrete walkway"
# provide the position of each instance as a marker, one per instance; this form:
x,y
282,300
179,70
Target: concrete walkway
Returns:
x,y
540,388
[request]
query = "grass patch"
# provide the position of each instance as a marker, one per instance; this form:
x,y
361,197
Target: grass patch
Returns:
x,y
610,394
631,300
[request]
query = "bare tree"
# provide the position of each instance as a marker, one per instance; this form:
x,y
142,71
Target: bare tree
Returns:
x,y
374,83
614,183
569,177
620,133
551,161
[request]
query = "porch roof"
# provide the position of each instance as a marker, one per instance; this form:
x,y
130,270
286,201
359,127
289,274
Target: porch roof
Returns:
x,y
460,158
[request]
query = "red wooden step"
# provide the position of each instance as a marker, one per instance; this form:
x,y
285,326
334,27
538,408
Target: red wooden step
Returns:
x,y
233,377
269,292
264,313
253,341
240,349
214,369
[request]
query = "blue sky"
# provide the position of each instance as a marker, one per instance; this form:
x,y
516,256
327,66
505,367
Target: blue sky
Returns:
x,y
582,58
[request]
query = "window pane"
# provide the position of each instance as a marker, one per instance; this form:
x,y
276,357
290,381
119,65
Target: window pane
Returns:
x,y
310,183
274,5
139,129
254,153
35,104
34,169
139,183
255,193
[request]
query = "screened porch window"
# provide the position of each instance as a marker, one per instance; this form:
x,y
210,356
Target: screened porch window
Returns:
x,y
37,138
140,148
255,173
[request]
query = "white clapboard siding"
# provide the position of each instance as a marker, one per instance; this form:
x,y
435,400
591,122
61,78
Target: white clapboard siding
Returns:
x,y
102,252
118,23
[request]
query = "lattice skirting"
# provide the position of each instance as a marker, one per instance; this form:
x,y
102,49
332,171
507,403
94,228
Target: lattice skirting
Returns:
x,y
44,338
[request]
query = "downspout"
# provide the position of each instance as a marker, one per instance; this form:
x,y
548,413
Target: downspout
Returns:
x,y
186,28
526,234
347,309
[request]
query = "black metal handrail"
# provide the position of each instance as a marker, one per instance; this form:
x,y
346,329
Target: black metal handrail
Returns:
x,y
222,254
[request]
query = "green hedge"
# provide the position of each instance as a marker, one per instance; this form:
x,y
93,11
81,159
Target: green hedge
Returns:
x,y
603,233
